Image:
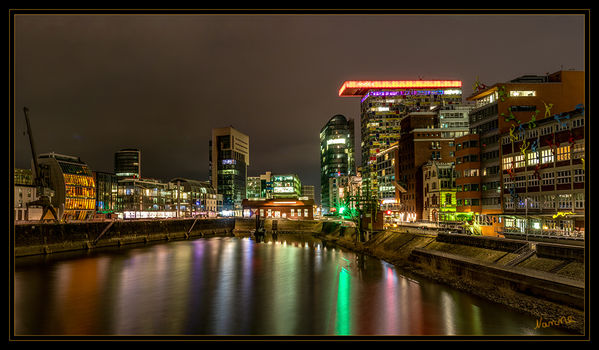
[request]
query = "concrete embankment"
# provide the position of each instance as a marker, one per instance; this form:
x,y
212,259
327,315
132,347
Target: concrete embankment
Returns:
x,y
545,280
49,238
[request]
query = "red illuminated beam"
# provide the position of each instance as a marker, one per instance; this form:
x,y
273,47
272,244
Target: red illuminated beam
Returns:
x,y
360,88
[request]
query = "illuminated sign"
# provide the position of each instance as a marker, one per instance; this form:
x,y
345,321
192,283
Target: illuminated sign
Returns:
x,y
412,93
229,161
335,141
283,189
350,88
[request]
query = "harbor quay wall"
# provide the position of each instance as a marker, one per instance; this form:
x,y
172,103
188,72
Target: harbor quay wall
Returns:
x,y
46,238
536,283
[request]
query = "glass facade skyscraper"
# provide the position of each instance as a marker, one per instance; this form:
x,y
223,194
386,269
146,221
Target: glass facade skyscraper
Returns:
x,y
229,158
127,163
337,156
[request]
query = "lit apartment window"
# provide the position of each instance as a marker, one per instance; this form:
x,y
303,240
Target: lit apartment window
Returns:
x,y
563,153
546,156
519,160
532,158
507,163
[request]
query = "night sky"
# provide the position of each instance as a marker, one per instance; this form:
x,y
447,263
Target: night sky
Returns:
x,y
95,84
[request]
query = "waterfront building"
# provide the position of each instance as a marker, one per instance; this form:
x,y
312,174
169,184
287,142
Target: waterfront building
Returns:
x,y
286,186
145,198
422,140
73,184
543,177
336,157
439,191
193,198
106,191
499,108
127,163
25,191
384,104
229,158
279,209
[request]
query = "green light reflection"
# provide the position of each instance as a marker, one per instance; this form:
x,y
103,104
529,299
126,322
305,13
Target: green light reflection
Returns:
x,y
343,321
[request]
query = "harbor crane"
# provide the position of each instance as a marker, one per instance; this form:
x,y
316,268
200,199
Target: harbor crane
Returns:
x,y
43,189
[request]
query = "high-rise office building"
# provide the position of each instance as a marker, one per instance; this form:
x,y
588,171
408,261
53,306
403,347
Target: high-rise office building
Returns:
x,y
385,103
229,158
336,155
127,163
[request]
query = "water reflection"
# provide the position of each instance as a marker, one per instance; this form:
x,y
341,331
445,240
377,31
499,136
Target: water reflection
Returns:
x,y
284,285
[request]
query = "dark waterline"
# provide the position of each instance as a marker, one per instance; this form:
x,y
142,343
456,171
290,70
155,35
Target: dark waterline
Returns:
x,y
235,286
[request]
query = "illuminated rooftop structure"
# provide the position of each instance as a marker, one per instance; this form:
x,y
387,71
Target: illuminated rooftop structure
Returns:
x,y
354,88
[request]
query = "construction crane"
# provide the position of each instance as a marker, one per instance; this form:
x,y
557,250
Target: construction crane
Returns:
x,y
42,187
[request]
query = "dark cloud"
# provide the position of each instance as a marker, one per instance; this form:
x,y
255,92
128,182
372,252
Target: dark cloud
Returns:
x,y
98,83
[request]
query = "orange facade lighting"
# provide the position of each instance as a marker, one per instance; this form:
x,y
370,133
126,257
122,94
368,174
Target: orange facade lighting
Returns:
x,y
359,88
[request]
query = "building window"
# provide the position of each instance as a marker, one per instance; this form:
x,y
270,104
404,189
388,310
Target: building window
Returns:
x,y
549,201
563,153
547,178
546,156
577,123
532,158
578,175
579,201
519,160
547,130
563,177
533,133
577,150
565,201
507,163
533,180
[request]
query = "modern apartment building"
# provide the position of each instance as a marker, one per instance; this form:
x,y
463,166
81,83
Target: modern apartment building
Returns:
x,y
505,108
229,158
543,168
336,156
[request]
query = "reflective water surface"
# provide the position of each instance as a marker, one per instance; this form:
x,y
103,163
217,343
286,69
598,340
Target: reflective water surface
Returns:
x,y
236,286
